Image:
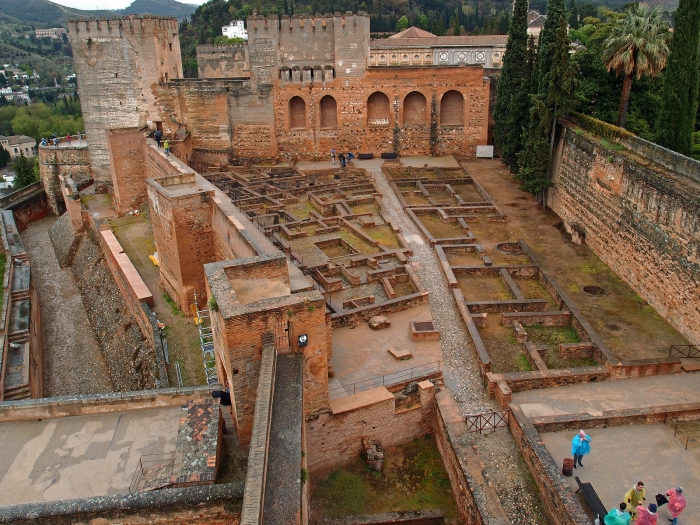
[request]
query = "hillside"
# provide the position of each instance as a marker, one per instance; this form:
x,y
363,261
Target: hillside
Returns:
x,y
42,13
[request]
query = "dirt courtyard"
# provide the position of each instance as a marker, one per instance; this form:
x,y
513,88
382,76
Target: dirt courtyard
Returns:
x,y
628,325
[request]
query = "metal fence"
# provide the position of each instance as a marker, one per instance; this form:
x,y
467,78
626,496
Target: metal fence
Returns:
x,y
687,432
410,374
685,351
487,421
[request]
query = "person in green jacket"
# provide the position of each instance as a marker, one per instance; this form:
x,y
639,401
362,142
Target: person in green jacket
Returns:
x,y
618,516
635,496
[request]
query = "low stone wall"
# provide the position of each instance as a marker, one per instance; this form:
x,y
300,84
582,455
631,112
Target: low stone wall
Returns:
x,y
365,313
204,505
559,502
91,404
414,517
65,241
131,361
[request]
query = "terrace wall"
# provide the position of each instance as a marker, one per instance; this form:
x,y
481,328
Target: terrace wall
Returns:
x,y
642,220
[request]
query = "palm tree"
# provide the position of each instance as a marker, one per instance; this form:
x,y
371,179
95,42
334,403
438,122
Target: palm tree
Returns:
x,y
636,46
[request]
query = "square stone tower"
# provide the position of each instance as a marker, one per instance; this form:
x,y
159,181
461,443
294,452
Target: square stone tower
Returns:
x,y
118,62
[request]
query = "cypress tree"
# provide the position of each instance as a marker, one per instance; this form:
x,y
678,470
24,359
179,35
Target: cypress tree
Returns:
x,y
511,107
556,12
574,22
680,102
559,99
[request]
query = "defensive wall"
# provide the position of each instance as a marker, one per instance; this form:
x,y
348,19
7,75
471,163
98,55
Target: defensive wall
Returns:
x,y
117,63
66,161
635,204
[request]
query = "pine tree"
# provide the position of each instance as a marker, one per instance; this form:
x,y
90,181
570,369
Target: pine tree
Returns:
x,y
511,107
534,159
680,102
24,172
556,12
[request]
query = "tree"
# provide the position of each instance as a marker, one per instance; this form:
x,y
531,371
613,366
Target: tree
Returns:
x,y
511,108
546,108
680,102
402,24
556,12
636,46
574,20
423,22
24,172
4,157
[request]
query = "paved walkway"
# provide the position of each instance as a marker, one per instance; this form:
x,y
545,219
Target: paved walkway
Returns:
x,y
73,361
611,395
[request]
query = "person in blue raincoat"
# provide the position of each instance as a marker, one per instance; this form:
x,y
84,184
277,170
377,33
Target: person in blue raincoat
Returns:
x,y
580,446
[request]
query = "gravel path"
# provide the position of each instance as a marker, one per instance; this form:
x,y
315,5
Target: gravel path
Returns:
x,y
73,361
504,465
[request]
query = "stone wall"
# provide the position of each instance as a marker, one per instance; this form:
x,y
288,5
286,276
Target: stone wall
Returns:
x,y
65,161
117,62
335,437
130,359
65,241
642,220
223,61
128,165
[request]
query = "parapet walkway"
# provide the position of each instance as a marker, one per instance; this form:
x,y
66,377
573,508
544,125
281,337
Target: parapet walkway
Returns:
x,y
73,361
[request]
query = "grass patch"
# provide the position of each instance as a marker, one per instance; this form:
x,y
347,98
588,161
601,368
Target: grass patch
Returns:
x,y
552,337
384,235
173,307
414,478
524,364
612,146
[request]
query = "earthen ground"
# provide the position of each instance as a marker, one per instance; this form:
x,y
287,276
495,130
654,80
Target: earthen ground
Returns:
x,y
361,353
413,478
136,237
628,325
82,456
72,359
621,456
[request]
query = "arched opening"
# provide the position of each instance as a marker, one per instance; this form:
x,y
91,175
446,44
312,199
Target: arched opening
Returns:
x,y
414,109
378,112
452,109
297,113
329,113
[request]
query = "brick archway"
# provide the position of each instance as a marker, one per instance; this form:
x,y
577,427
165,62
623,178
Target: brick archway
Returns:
x,y
378,109
452,109
329,113
297,113
414,109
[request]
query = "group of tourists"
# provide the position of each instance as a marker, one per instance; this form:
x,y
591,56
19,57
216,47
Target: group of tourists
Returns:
x,y
343,158
632,508
158,135
54,140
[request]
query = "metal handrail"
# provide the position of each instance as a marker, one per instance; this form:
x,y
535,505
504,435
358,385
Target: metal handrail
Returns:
x,y
685,351
486,420
394,378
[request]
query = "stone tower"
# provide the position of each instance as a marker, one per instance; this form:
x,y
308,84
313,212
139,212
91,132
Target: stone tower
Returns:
x,y
118,63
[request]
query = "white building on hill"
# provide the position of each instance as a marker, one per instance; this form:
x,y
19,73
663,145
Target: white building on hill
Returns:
x,y
236,29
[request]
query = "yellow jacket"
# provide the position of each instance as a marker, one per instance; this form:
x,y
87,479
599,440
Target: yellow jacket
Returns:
x,y
635,497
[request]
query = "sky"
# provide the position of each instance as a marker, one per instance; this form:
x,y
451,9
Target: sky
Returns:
x,y
109,4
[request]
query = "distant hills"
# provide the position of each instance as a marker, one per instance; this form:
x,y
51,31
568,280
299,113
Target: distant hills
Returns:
x,y
42,13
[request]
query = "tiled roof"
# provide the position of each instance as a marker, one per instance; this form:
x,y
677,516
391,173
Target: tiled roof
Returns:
x,y
434,41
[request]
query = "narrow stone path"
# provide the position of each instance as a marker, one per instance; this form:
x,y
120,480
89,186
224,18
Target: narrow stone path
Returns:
x,y
73,361
505,468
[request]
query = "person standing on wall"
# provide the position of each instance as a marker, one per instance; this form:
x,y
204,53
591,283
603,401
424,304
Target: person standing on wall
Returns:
x,y
580,446
158,135
341,158
634,497
333,157
166,145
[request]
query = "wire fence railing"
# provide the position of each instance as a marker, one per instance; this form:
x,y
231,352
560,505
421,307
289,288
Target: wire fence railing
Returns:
x,y
487,421
684,351
410,374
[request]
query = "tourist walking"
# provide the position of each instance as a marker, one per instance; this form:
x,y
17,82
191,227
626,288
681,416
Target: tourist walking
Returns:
x,y
68,139
634,497
618,516
676,502
158,135
341,158
166,145
647,516
333,157
580,446
351,156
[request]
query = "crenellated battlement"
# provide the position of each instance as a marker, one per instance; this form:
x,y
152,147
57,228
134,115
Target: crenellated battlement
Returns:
x,y
122,26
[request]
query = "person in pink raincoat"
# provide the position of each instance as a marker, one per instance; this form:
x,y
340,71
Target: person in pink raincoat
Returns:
x,y
647,516
676,503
